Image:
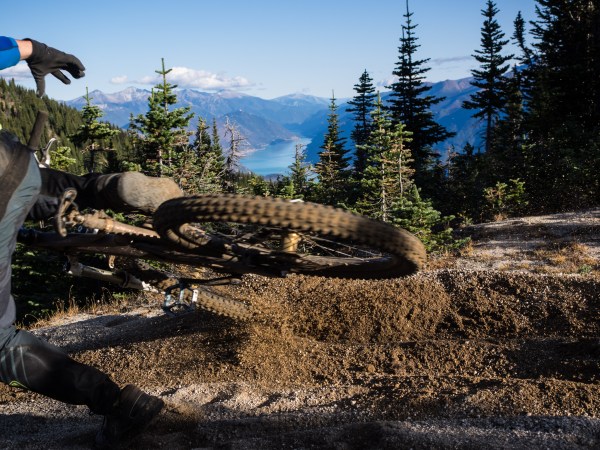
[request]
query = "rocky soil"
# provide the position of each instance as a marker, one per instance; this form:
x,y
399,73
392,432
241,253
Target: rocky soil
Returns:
x,y
498,347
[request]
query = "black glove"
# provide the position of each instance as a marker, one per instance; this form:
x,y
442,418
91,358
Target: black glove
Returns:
x,y
45,60
44,208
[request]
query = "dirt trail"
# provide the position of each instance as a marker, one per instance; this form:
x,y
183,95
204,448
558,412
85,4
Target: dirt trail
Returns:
x,y
450,358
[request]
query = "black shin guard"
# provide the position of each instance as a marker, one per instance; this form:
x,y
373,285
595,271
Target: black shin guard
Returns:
x,y
31,363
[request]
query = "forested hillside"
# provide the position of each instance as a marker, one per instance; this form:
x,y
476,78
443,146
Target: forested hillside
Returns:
x,y
18,109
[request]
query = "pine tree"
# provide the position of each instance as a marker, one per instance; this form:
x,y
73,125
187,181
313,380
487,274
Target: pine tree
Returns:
x,y
92,135
210,160
567,62
388,174
417,215
361,105
161,131
507,159
565,105
410,104
299,173
490,100
464,184
333,165
216,141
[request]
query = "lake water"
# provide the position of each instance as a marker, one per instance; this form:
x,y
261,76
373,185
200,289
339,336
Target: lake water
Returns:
x,y
273,159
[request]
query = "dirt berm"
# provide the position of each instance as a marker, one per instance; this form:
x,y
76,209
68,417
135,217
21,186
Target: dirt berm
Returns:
x,y
496,348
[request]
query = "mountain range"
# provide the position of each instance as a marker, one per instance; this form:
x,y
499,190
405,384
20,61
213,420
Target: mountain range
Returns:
x,y
265,122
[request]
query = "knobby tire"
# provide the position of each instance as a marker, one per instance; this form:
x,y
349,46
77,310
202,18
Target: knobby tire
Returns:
x,y
397,252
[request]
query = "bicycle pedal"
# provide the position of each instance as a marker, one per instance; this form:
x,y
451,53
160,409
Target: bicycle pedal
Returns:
x,y
176,305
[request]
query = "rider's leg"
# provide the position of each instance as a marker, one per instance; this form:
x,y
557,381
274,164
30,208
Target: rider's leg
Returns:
x,y
25,360
123,192
19,187
29,362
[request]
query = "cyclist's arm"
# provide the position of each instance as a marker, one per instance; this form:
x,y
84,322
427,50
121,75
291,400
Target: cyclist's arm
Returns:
x,y
12,51
41,60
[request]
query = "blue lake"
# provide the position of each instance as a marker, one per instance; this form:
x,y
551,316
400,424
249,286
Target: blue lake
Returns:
x,y
273,159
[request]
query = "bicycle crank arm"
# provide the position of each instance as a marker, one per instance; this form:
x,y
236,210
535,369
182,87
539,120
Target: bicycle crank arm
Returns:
x,y
102,222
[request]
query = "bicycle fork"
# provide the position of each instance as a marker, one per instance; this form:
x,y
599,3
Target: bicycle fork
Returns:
x,y
120,278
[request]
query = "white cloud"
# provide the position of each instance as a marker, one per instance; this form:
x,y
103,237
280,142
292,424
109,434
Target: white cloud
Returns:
x,y
18,72
121,79
185,77
451,60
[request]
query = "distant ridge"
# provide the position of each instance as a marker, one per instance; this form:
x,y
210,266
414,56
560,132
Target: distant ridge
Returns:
x,y
288,117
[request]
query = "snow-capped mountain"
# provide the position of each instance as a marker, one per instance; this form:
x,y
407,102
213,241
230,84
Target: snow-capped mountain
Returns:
x,y
292,116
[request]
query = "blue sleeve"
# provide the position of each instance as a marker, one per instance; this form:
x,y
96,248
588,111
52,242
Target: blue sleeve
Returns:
x,y
9,52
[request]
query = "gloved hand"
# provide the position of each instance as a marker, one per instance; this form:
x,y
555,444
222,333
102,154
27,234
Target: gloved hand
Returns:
x,y
45,60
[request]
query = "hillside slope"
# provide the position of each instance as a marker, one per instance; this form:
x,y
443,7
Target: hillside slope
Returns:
x,y
498,348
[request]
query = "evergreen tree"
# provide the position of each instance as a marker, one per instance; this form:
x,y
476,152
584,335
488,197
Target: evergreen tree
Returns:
x,y
210,160
410,104
299,174
489,101
92,135
464,184
333,165
388,173
216,141
565,105
417,215
567,62
162,132
62,159
507,158
361,105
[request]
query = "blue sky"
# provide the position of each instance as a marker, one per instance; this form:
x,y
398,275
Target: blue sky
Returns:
x,y
265,48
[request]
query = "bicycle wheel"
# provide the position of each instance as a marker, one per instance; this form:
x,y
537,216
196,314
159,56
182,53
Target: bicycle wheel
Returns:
x,y
275,236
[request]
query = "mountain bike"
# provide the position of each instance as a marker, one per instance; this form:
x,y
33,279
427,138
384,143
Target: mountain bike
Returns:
x,y
231,235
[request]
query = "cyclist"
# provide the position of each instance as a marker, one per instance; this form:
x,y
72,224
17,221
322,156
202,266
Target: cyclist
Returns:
x,y
25,360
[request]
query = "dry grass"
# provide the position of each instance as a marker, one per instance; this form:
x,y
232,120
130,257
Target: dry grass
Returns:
x,y
552,257
107,303
567,257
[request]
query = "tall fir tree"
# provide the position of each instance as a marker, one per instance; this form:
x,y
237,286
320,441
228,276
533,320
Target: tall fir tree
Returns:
x,y
388,173
300,170
210,160
411,105
508,159
93,136
525,59
464,184
162,132
489,100
564,110
333,165
361,105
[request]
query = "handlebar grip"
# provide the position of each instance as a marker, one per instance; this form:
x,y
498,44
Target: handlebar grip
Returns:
x,y
38,127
